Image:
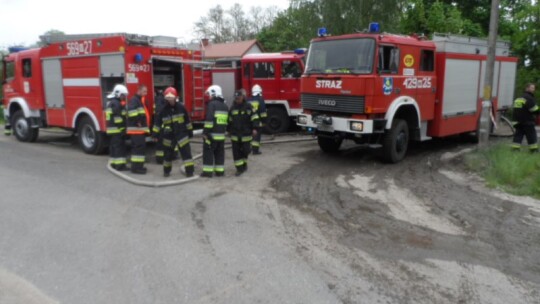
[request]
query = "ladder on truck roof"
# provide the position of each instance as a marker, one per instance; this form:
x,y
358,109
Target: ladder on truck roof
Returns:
x,y
155,41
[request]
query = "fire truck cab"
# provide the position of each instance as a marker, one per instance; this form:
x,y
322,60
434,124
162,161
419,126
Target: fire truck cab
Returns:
x,y
382,90
64,84
277,73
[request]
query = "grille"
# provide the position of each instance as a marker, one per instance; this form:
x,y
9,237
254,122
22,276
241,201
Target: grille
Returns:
x,y
333,103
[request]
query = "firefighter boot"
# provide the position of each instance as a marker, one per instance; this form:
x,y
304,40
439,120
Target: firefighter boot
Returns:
x,y
256,151
206,174
121,167
239,171
138,170
189,171
166,171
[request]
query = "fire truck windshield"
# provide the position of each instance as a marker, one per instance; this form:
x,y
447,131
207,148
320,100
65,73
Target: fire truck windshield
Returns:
x,y
347,56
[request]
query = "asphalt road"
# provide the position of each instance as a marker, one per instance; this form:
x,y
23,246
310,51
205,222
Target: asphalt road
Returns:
x,y
299,227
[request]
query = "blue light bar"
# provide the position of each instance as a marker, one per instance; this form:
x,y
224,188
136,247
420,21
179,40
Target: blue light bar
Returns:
x,y
16,49
374,27
322,32
300,51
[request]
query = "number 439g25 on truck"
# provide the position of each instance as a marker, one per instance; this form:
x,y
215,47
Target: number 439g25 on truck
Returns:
x,y
383,90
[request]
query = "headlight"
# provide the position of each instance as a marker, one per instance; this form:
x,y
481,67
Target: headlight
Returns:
x,y
357,126
302,120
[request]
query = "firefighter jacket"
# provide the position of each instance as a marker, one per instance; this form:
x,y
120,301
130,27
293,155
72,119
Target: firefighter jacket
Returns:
x,y
137,122
115,116
524,109
215,124
242,121
173,122
159,104
257,102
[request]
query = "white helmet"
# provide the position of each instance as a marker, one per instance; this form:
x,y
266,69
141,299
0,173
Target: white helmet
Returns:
x,y
118,90
214,91
256,90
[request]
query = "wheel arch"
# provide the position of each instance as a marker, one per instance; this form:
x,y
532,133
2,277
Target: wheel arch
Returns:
x,y
19,103
405,108
80,114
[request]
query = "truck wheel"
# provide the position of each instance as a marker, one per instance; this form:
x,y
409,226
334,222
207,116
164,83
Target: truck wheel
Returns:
x,y
329,144
22,128
277,121
91,140
396,141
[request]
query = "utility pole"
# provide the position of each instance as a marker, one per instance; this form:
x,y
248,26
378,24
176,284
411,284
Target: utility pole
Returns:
x,y
485,116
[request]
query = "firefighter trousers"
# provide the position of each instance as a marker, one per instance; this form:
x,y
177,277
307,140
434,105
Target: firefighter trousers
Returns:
x,y
117,151
170,146
528,131
214,157
160,150
138,144
256,143
241,150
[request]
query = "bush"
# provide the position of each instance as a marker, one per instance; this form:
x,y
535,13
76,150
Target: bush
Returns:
x,y
1,115
514,172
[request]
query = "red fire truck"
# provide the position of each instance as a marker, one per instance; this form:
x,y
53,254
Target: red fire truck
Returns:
x,y
382,90
64,83
277,73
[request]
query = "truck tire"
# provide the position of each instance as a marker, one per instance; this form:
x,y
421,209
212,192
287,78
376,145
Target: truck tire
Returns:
x,y
278,121
329,144
22,128
396,142
90,139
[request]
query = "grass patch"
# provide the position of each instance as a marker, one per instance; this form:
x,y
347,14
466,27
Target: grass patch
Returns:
x,y
514,172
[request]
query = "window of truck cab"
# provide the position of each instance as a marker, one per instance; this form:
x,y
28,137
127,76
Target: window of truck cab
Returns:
x,y
9,71
388,62
342,56
27,67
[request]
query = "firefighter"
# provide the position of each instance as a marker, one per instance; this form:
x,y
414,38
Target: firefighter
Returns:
x,y
175,131
214,130
524,109
115,113
257,102
243,126
137,129
159,104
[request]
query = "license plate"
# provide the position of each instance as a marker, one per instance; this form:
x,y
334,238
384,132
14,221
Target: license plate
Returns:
x,y
325,128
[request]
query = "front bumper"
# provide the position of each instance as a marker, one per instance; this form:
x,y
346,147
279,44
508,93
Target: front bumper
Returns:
x,y
330,124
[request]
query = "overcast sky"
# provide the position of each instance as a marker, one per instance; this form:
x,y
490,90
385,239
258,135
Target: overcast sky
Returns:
x,y
22,21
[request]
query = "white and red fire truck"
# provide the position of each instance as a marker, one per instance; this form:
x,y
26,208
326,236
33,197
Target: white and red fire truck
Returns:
x,y
382,90
277,73
64,83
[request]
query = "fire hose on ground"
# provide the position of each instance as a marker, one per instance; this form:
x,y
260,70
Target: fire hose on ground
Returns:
x,y
185,180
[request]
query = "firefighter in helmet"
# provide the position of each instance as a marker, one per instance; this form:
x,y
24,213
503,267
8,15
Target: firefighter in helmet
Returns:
x,y
257,102
175,129
214,130
137,128
243,126
159,104
115,113
524,112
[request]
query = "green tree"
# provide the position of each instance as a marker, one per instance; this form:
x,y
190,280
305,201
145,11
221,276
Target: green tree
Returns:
x,y
297,25
292,28
51,32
